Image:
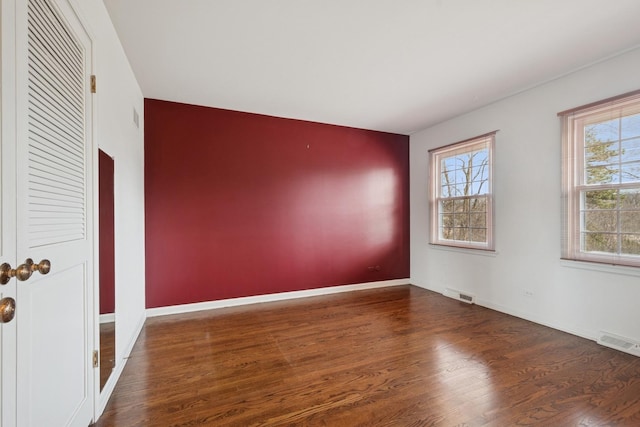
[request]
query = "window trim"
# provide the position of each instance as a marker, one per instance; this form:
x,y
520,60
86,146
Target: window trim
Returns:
x,y
435,155
573,182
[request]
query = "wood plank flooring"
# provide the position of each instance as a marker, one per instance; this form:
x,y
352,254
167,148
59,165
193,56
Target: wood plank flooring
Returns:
x,y
400,356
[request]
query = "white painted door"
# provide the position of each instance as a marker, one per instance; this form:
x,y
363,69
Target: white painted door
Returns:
x,y
54,218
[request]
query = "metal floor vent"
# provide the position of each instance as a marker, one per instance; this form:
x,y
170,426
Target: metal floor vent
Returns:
x,y
619,343
459,295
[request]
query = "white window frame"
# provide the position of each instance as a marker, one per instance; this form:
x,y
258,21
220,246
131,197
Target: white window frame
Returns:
x,y
436,196
575,181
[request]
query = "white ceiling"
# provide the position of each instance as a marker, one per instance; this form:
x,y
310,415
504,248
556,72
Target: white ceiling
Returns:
x,y
391,65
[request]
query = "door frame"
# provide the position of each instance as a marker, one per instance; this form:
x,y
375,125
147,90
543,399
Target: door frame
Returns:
x,y
8,334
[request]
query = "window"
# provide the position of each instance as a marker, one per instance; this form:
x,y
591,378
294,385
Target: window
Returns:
x,y
461,193
601,173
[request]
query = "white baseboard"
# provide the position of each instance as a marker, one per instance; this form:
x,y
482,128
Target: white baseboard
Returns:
x,y
526,316
107,318
232,302
563,328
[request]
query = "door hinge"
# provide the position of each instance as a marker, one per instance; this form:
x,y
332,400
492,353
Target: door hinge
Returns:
x,y
93,83
96,359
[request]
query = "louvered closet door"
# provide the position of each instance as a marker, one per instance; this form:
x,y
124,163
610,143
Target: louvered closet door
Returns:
x,y
55,220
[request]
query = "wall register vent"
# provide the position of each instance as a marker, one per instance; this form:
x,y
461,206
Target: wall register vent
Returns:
x,y
619,343
459,295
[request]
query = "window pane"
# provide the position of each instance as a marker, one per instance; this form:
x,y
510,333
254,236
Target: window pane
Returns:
x,y
446,220
600,242
479,187
461,205
630,126
462,189
480,172
601,154
461,234
630,198
446,183
631,172
603,131
446,233
460,177
630,222
601,221
446,206
478,220
448,163
603,175
631,150
478,235
461,220
480,156
600,199
478,204
631,244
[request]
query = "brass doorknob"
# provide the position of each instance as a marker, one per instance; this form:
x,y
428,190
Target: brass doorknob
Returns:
x,y
5,273
24,271
7,309
43,267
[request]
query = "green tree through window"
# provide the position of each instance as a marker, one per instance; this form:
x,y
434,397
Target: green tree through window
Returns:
x,y
612,215
602,182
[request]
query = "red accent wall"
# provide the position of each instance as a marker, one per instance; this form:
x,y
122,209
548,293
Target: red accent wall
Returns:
x,y
106,233
241,204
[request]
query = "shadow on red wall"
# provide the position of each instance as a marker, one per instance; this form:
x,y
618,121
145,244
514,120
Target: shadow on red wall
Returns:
x,y
241,204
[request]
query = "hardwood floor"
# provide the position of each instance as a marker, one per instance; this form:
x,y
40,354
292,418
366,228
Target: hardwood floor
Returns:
x,y
399,356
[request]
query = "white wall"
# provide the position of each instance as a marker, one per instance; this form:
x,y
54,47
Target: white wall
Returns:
x,y
118,93
570,296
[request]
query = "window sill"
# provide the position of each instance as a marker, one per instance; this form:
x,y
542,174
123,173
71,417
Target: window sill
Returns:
x,y
604,268
470,251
